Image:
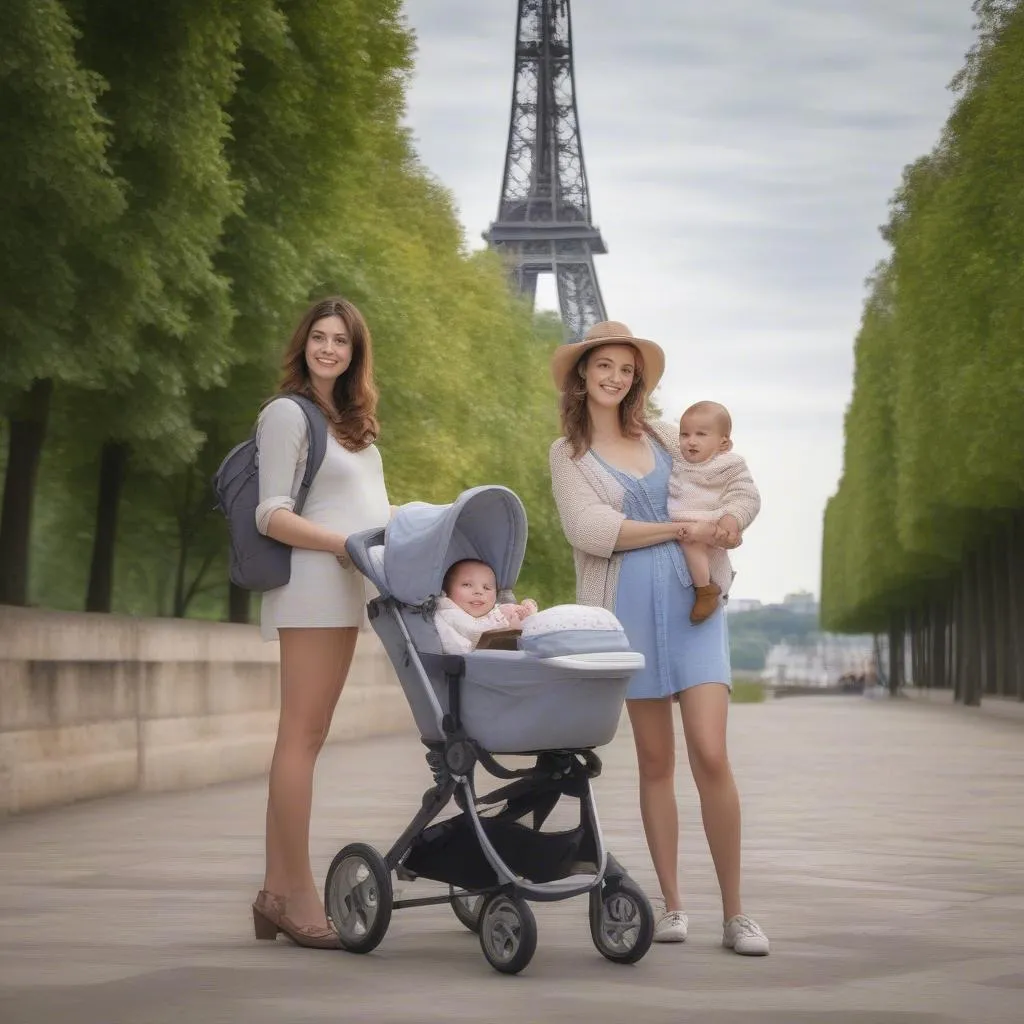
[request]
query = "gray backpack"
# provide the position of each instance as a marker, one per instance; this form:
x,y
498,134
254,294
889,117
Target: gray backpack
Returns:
x,y
259,562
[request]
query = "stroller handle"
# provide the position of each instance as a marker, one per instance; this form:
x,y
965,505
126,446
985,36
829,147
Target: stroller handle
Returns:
x,y
357,547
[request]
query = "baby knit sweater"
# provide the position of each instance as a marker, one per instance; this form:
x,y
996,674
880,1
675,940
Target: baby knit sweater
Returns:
x,y
459,631
706,491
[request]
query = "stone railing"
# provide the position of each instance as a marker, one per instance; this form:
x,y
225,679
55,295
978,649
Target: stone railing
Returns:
x,y
92,705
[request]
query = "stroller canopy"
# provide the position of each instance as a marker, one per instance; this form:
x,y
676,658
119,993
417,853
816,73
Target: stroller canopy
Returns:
x,y
486,523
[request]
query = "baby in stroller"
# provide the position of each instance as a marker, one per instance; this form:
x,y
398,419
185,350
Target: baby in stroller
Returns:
x,y
556,697
468,608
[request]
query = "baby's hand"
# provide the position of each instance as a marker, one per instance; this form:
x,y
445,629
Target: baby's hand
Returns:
x,y
529,607
727,532
512,612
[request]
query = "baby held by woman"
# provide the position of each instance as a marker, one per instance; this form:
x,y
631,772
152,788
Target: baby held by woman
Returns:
x,y
468,607
710,486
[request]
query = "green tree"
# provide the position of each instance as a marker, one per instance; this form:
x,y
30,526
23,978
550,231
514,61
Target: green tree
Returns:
x,y
332,200
170,73
865,567
920,532
57,196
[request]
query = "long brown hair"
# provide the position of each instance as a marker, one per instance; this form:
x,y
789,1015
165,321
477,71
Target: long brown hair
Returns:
x,y
573,404
355,394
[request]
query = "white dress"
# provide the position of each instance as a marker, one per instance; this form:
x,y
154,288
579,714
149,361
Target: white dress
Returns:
x,y
347,495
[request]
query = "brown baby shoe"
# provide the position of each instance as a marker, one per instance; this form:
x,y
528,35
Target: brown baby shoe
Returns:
x,y
706,602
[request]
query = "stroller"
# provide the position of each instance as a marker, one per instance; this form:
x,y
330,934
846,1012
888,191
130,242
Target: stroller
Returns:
x,y
554,698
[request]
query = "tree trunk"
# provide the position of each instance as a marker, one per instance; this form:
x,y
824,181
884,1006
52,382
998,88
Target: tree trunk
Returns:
x,y
924,646
1000,610
113,469
972,633
956,638
28,424
984,619
913,627
238,604
938,669
1015,569
928,642
179,603
895,654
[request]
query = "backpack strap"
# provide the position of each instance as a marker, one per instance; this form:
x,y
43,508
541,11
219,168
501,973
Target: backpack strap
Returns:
x,y
317,430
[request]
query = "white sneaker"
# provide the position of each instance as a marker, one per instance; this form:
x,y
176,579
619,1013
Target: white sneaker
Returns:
x,y
672,927
743,935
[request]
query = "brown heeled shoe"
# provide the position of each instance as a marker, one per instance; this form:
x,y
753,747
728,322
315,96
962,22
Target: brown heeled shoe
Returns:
x,y
705,603
266,915
309,936
269,918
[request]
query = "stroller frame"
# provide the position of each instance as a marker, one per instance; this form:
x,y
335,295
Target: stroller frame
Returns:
x,y
358,893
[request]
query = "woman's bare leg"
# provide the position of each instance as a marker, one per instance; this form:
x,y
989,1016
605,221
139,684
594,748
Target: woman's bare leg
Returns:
x,y
705,711
314,664
654,735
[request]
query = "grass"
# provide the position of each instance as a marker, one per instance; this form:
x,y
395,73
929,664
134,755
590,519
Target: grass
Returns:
x,y
747,689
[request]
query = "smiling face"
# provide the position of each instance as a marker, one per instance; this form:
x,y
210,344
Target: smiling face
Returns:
x,y
328,352
703,432
610,372
472,586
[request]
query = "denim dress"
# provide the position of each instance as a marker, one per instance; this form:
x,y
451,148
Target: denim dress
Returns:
x,y
655,595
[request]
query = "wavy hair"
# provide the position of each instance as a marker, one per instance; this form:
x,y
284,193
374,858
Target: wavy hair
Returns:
x,y
355,393
573,404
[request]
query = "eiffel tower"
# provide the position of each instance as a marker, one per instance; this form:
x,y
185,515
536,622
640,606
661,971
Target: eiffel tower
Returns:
x,y
544,224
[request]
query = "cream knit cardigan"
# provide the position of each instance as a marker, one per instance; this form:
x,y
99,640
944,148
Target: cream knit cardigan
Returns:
x,y
590,501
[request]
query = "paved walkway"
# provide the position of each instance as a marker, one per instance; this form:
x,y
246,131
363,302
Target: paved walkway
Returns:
x,y
884,855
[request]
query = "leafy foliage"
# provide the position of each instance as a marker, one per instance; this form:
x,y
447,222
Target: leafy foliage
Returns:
x,y
933,458
218,163
752,634
57,190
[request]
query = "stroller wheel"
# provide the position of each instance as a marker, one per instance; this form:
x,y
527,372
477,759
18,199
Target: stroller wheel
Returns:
x,y
508,932
358,897
621,920
467,908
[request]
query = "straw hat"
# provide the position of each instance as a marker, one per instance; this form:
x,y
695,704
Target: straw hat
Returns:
x,y
608,332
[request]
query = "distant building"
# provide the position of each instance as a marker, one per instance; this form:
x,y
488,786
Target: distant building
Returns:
x,y
820,663
800,603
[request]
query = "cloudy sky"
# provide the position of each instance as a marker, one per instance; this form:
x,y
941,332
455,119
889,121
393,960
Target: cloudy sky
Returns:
x,y
741,155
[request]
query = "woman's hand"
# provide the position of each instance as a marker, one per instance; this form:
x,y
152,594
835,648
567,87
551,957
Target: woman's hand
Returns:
x,y
697,533
297,532
341,554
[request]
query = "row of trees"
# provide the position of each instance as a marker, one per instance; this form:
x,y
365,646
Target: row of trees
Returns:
x,y
752,634
924,539
178,181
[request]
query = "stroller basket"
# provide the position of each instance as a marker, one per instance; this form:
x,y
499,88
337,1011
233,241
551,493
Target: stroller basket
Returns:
x,y
450,852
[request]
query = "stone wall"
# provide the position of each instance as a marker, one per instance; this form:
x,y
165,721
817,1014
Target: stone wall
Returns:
x,y
97,704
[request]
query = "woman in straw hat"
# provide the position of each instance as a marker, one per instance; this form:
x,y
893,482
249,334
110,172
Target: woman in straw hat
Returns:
x,y
609,474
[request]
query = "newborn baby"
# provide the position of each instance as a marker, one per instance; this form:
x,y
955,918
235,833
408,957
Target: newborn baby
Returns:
x,y
468,607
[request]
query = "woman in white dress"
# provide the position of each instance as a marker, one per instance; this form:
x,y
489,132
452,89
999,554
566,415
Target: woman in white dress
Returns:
x,y
316,615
